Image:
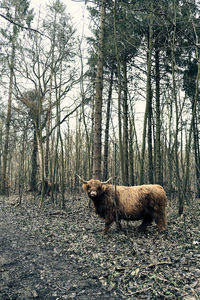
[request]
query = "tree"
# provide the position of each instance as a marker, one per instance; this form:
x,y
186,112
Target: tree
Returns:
x,y
19,12
50,71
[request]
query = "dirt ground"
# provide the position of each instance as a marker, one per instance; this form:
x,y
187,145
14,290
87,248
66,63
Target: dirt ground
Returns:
x,y
51,253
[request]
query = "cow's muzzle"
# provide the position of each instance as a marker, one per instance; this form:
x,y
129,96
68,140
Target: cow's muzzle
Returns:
x,y
93,194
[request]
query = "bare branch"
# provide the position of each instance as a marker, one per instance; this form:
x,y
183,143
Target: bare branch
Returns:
x,y
22,26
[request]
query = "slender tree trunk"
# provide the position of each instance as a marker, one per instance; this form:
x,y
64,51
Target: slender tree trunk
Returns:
x,y
194,106
197,155
148,94
150,154
158,172
194,115
50,98
1,149
174,91
92,134
62,172
21,174
132,124
33,181
8,117
170,153
105,168
131,155
125,124
88,142
39,136
77,147
98,98
119,94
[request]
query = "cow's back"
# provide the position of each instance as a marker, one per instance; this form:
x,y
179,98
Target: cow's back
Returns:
x,y
135,198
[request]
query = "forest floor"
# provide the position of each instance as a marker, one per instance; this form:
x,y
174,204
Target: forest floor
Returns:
x,y
51,253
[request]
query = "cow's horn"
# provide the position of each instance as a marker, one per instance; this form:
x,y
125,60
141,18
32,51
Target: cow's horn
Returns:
x,y
104,182
81,179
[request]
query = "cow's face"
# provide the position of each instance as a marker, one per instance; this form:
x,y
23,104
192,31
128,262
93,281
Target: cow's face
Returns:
x,y
93,188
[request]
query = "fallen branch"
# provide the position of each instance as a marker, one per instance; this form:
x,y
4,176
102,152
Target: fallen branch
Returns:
x,y
156,264
137,292
121,269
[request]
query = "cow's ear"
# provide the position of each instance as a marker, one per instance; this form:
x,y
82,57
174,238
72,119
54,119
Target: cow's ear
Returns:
x,y
103,187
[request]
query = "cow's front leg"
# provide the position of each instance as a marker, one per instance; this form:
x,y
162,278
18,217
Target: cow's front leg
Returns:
x,y
107,225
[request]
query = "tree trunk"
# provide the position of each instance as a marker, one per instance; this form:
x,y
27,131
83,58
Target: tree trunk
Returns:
x,y
33,181
119,96
88,140
125,124
8,117
105,168
150,154
174,92
148,94
131,159
194,106
197,155
98,98
1,149
158,172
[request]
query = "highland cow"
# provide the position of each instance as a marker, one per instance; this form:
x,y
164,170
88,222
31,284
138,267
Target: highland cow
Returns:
x,y
144,202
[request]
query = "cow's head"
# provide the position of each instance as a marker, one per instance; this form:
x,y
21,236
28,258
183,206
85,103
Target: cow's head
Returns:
x,y
93,187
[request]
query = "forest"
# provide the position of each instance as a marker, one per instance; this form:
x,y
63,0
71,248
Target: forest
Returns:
x,y
120,102
127,109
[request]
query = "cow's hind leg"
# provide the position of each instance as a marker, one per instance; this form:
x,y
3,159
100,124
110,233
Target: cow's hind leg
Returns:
x,y
146,221
161,220
119,226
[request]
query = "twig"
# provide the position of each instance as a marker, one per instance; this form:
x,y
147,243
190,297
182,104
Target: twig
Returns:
x,y
157,263
137,292
145,267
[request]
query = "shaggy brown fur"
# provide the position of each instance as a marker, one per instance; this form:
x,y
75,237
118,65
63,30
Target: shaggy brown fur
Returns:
x,y
144,202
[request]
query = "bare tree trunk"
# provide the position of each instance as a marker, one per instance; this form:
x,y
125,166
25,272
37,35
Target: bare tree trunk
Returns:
x,y
88,140
105,168
39,136
125,124
194,105
150,154
174,90
77,147
131,155
62,173
33,181
21,174
192,125
98,98
119,96
1,149
8,117
169,148
158,172
197,155
148,94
